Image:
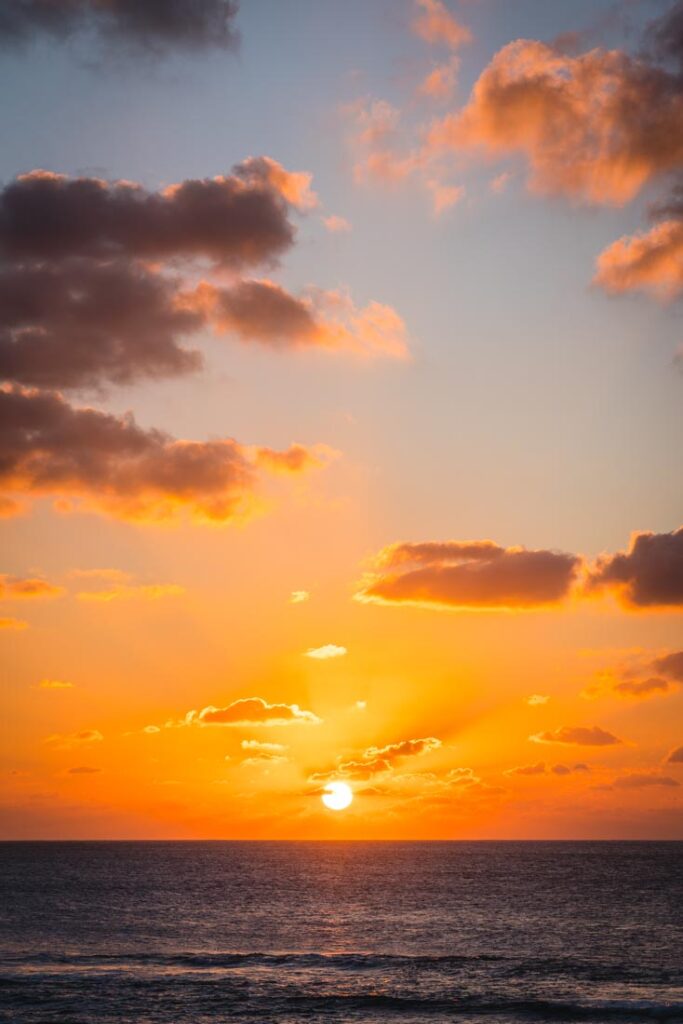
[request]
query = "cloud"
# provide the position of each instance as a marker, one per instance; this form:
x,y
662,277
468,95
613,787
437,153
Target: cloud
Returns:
x,y
441,81
263,311
663,38
126,591
670,665
114,466
563,769
144,25
255,711
238,220
263,753
528,769
470,574
637,781
537,699
377,760
325,652
676,756
642,687
336,224
444,196
594,127
83,770
500,182
14,588
651,261
65,741
592,736
8,622
55,684
81,323
299,597
435,24
293,186
648,575
263,748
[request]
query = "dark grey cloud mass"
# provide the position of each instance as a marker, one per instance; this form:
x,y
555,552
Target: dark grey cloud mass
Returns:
x,y
232,220
150,25
81,323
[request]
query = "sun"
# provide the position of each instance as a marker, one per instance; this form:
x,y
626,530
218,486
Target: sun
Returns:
x,y
337,796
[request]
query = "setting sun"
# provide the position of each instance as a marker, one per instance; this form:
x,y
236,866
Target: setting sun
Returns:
x,y
337,796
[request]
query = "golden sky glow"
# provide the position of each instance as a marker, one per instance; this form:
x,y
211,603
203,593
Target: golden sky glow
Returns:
x,y
340,466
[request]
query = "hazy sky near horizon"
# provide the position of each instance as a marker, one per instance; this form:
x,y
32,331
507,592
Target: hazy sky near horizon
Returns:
x,y
462,324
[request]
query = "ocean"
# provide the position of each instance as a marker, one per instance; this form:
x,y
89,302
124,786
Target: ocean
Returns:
x,y
205,932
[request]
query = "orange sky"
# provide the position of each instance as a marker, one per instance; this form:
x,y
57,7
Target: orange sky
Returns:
x,y
358,461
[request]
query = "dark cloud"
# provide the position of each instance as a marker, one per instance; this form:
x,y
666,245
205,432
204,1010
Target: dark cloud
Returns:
x,y
83,770
156,25
592,736
637,781
235,220
648,575
663,37
676,756
48,447
564,769
377,760
82,323
265,312
671,665
471,574
642,687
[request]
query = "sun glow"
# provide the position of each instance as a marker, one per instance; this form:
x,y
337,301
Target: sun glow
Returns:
x,y
337,796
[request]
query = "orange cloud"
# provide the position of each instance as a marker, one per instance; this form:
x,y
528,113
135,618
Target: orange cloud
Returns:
x,y
470,574
377,760
528,769
652,261
537,699
642,687
595,127
65,741
648,575
55,684
336,224
112,465
440,83
7,622
435,24
592,736
264,312
254,711
13,588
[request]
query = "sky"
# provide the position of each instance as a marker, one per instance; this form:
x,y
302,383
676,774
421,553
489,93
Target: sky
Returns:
x,y
341,363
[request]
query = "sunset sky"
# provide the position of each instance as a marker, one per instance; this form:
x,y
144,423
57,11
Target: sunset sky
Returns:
x,y
341,418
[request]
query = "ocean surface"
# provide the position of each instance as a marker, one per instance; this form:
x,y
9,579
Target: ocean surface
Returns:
x,y
204,932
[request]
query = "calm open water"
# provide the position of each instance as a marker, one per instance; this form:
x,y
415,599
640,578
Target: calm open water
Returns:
x,y
199,933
